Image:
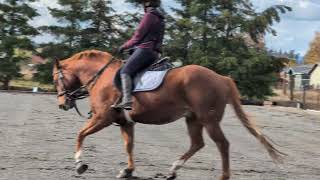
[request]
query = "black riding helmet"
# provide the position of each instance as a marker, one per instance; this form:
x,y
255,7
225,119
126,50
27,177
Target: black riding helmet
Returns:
x,y
150,3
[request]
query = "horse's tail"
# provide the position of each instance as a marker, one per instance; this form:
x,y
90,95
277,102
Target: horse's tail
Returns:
x,y
275,154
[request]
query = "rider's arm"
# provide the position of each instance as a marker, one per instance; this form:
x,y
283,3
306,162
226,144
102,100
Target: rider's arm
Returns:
x,y
143,29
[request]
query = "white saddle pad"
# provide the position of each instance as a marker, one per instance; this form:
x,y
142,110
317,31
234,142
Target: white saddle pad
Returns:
x,y
148,80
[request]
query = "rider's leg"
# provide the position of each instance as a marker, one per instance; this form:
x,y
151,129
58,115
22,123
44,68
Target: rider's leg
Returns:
x,y
139,60
126,83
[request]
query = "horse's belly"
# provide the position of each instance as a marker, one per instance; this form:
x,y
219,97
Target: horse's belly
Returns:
x,y
158,116
157,120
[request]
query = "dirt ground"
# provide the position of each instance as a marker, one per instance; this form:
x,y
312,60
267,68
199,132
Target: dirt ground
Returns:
x,y
37,143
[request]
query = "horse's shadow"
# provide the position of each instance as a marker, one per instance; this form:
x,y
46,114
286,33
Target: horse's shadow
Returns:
x,y
140,178
157,176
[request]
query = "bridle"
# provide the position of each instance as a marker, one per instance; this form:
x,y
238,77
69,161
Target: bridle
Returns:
x,y
82,92
70,94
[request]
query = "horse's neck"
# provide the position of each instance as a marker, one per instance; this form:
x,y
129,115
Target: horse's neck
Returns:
x,y
91,68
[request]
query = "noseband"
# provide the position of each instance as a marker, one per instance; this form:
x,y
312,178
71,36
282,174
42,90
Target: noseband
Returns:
x,y
61,77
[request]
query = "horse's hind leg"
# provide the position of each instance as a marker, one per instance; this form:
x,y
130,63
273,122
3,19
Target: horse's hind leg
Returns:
x,y
127,132
95,124
216,134
195,129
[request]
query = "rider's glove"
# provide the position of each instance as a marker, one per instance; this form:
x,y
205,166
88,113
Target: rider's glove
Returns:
x,y
120,50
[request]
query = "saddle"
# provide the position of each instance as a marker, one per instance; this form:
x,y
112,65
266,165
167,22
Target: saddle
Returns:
x,y
161,65
150,78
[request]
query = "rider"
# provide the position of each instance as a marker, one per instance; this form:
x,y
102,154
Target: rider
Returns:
x,y
148,41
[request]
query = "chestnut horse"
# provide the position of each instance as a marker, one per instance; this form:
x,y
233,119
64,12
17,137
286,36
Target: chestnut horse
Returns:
x,y
196,93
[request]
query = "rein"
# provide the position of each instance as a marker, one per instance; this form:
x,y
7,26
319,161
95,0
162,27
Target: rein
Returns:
x,y
82,93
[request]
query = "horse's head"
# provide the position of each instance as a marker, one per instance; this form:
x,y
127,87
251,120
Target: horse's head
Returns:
x,y
65,82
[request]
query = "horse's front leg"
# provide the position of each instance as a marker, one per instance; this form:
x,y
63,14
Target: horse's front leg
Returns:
x,y
127,132
95,124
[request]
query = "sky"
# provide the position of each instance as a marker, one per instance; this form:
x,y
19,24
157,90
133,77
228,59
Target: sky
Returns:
x,y
295,31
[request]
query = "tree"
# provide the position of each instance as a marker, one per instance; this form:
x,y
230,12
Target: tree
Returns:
x,y
180,27
50,52
313,54
73,15
44,74
101,32
223,33
290,58
83,24
15,33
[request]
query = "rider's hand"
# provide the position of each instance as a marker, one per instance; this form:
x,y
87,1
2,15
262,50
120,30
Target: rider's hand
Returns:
x,y
120,50
131,51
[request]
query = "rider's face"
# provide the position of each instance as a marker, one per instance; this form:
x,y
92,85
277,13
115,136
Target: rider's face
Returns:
x,y
146,4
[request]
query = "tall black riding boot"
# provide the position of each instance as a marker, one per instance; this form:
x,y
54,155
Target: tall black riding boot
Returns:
x,y
126,83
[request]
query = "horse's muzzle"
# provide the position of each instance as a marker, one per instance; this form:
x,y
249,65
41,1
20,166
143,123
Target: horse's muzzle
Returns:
x,y
67,105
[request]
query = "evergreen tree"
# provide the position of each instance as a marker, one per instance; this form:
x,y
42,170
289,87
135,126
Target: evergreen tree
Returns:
x,y
313,54
73,16
15,33
289,58
101,32
221,29
50,52
84,24
44,73
180,27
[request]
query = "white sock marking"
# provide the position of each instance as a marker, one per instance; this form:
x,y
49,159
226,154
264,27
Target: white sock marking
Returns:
x,y
176,165
77,155
128,117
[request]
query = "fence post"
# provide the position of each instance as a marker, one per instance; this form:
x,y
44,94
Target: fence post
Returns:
x,y
284,84
291,84
318,97
304,97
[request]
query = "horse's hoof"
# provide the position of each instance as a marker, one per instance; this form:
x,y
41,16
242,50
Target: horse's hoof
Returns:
x,y
81,168
225,177
172,176
125,173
